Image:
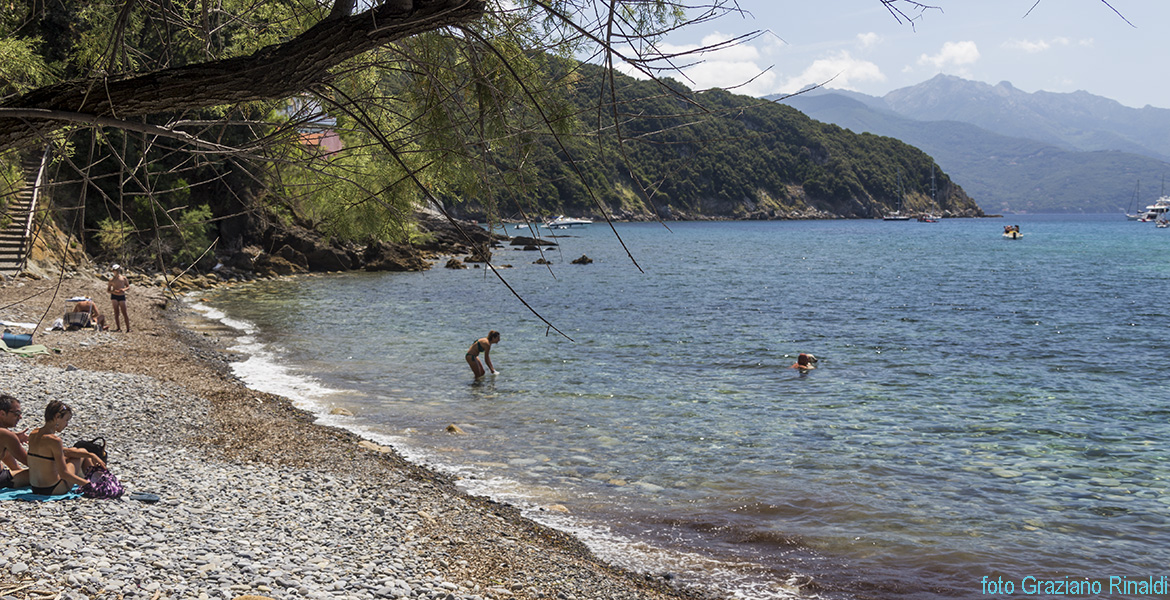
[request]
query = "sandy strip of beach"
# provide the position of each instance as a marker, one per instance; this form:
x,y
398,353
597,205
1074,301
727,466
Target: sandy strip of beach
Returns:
x,y
255,498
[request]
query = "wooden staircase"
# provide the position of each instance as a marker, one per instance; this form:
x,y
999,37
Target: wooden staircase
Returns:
x,y
15,239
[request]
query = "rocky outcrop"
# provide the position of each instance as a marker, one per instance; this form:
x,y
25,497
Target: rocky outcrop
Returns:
x,y
444,237
269,265
384,256
309,249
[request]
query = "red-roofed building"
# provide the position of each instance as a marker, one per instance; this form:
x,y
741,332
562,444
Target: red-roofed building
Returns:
x,y
328,141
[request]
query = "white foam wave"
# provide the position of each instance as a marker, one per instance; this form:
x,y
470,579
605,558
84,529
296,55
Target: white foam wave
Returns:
x,y
215,314
265,372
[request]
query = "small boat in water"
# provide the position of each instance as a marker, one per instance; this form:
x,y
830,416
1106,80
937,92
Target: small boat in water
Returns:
x,y
563,222
1012,232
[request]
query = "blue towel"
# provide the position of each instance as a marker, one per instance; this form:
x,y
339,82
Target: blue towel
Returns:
x,y
27,495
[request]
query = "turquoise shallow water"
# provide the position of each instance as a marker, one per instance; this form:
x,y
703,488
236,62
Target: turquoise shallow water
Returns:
x,y
983,407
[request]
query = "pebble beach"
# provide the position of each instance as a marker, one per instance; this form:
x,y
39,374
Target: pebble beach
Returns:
x,y
254,498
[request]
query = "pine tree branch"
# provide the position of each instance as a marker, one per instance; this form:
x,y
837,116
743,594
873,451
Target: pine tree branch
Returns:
x,y
274,72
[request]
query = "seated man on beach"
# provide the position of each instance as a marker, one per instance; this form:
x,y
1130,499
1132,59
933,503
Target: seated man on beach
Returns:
x,y
87,306
12,454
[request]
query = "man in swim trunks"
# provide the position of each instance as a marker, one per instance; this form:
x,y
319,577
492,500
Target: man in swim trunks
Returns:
x,y
483,344
117,289
12,454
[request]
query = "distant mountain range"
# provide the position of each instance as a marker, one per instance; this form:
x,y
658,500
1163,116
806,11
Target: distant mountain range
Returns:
x,y
1014,151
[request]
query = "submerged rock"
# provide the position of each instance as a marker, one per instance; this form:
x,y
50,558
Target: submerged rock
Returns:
x,y
530,241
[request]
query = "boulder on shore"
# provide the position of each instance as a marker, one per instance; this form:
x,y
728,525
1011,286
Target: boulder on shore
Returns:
x,y
384,256
444,236
309,249
268,265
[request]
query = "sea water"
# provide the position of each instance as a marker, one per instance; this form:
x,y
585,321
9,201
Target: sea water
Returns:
x,y
985,411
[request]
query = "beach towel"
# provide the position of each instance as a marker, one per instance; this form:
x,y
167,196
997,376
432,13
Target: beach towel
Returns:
x,y
27,495
30,350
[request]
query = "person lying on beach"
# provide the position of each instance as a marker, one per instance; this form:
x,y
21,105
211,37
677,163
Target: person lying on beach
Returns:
x,y
804,362
51,472
484,345
12,454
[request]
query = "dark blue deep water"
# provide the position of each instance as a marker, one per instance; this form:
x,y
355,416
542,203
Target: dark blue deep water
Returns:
x,y
983,407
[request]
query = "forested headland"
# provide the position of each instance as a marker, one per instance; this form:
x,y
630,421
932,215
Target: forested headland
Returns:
x,y
717,155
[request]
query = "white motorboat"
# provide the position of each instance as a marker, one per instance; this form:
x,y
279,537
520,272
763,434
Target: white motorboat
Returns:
x,y
1156,210
563,222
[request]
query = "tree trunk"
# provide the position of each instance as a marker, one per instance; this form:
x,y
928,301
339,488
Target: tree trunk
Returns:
x,y
277,71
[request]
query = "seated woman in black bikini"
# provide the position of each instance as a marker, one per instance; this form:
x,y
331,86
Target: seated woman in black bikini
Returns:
x,y
484,345
49,472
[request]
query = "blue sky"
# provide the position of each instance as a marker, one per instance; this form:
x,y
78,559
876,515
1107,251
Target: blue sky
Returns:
x,y
1062,46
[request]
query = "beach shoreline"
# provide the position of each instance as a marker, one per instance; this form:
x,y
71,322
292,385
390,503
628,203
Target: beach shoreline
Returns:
x,y
181,425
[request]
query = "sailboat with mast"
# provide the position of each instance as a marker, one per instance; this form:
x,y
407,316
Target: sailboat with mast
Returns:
x,y
897,214
1132,214
928,217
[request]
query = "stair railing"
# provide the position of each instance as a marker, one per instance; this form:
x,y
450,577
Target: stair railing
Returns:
x,y
26,241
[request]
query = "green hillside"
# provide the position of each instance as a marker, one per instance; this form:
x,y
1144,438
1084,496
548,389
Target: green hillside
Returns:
x,y
719,155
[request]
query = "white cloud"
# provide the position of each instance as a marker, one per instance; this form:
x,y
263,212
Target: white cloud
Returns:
x,y
868,39
746,69
952,54
737,67
843,70
1042,45
728,53
1028,46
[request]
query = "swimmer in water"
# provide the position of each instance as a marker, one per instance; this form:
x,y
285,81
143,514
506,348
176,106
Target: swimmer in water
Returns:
x,y
804,362
484,345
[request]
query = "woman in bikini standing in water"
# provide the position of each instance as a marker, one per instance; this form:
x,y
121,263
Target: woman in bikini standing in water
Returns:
x,y
484,345
50,473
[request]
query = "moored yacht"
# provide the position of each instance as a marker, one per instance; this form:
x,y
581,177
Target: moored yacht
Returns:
x,y
563,222
1156,210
